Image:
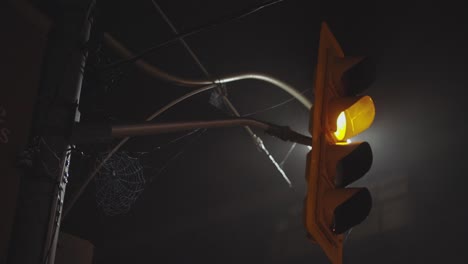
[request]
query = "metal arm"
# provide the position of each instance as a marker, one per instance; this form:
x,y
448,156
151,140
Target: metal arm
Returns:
x,y
91,133
120,131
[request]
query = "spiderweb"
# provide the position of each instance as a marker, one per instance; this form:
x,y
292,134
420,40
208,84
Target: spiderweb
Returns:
x,y
119,183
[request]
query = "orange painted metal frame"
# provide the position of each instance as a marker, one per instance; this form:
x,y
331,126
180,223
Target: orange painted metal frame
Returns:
x,y
319,182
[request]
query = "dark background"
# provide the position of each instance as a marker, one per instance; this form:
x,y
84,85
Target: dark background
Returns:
x,y
222,200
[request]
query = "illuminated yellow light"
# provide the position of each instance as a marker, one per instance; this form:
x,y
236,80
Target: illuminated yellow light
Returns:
x,y
340,126
355,119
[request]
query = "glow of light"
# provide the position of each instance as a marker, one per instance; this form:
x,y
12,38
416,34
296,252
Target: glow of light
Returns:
x,y
309,147
348,141
340,126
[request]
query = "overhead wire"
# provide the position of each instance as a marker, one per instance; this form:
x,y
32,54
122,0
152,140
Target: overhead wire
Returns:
x,y
287,154
274,106
150,69
225,99
129,57
177,139
181,40
209,25
160,74
186,82
151,117
181,152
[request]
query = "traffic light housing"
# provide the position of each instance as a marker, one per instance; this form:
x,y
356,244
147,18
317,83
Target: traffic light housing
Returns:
x,y
339,113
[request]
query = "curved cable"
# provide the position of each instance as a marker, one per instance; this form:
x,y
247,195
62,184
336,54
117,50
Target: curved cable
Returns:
x,y
180,99
257,141
150,69
262,77
155,72
124,140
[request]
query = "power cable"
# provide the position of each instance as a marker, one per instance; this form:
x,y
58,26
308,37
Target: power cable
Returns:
x,y
236,16
274,106
281,132
221,90
158,73
287,154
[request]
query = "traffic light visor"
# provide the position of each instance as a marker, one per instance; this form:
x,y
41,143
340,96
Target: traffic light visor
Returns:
x,y
355,119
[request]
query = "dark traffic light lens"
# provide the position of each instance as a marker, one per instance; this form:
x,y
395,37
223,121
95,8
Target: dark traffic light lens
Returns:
x,y
352,212
354,166
359,77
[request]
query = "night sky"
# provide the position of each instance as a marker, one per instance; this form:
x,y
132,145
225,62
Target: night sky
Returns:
x,y
213,197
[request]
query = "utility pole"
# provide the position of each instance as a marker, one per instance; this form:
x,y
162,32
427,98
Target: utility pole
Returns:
x,y
46,159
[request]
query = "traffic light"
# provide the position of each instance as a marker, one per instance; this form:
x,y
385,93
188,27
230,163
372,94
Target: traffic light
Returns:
x,y
339,113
